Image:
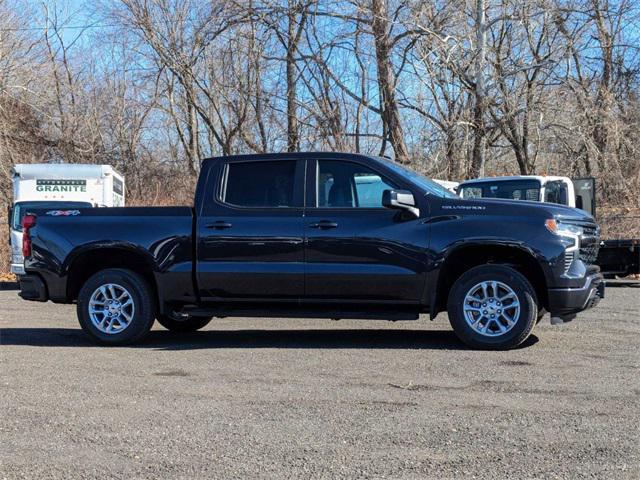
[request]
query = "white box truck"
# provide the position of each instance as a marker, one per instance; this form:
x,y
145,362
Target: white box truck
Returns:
x,y
59,186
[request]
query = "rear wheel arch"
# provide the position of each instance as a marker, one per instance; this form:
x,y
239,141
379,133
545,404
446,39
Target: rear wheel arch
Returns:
x,y
466,257
91,261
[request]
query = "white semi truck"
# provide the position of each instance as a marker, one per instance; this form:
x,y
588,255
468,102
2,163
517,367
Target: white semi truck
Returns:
x,y
59,186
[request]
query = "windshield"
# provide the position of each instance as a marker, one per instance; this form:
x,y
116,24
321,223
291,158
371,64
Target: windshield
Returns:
x,y
20,209
426,184
511,189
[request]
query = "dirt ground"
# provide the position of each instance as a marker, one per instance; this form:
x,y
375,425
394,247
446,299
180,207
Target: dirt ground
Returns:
x,y
259,398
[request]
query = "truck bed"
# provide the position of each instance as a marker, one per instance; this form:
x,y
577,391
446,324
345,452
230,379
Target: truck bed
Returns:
x,y
619,257
162,236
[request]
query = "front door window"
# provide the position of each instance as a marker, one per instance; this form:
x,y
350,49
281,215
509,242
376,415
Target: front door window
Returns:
x,y
349,185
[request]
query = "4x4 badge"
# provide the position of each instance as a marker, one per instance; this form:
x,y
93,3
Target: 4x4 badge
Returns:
x,y
63,213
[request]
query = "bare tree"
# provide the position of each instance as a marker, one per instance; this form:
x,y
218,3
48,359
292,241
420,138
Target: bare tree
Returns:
x,y
381,29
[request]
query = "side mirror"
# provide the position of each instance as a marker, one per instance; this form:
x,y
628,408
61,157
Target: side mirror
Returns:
x,y
400,200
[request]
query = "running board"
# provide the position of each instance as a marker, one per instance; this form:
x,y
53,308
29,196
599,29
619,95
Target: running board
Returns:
x,y
299,312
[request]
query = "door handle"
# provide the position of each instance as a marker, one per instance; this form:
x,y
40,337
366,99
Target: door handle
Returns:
x,y
219,225
324,224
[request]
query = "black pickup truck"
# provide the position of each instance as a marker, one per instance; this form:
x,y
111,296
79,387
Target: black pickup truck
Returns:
x,y
327,235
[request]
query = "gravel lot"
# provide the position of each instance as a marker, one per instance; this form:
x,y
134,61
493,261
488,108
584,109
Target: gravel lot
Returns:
x,y
249,398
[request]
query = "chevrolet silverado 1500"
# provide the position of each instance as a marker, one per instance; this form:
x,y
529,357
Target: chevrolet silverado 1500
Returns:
x,y
328,235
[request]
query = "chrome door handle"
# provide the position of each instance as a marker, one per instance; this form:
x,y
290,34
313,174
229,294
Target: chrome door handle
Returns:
x,y
324,224
220,225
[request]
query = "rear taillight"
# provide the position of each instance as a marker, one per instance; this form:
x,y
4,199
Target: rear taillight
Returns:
x,y
28,222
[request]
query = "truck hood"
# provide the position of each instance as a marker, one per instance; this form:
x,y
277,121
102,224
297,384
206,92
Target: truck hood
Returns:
x,y
501,206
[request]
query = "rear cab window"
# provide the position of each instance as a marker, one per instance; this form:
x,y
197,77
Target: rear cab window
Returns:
x,y
509,189
261,184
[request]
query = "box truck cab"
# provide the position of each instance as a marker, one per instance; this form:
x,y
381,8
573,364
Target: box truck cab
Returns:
x,y
448,184
57,187
576,193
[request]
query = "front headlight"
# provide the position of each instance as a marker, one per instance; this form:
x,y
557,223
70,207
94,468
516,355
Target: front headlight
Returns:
x,y
564,229
570,235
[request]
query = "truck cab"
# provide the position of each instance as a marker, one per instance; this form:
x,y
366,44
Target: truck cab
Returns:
x,y
450,185
576,193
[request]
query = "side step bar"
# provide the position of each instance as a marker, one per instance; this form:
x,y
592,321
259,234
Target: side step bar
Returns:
x,y
224,311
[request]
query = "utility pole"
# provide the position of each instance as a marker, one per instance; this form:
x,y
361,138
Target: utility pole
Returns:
x,y
479,142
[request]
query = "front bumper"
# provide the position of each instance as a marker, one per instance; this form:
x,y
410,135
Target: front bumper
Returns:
x,y
33,288
565,301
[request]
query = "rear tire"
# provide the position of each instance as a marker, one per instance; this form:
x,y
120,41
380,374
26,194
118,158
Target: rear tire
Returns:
x,y
492,307
116,307
190,324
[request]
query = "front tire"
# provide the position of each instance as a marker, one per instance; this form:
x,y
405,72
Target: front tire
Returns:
x,y
492,307
116,307
190,324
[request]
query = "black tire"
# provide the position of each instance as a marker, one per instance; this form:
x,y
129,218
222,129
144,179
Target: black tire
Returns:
x,y
517,283
190,324
142,298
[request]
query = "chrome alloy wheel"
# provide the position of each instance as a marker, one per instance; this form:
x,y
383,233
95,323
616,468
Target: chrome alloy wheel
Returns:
x,y
491,308
111,308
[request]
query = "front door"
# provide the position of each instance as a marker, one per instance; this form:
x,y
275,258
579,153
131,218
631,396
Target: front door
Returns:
x,y
357,250
250,232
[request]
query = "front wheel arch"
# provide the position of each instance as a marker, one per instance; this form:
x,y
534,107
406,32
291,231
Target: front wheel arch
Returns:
x,y
507,331
464,258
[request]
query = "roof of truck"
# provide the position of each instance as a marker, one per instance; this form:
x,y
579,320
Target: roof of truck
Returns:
x,y
290,155
32,171
540,178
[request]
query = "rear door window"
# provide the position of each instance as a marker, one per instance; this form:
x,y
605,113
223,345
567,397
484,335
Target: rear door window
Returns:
x,y
260,184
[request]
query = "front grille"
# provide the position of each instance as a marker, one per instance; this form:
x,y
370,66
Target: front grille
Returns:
x,y
589,241
589,252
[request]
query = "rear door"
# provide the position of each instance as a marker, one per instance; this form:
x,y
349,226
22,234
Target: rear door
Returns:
x,y
250,232
357,250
